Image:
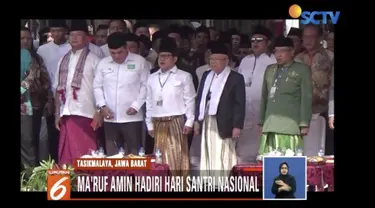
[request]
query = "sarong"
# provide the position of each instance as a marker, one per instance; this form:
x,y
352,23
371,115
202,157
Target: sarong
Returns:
x,y
172,144
218,155
77,138
272,141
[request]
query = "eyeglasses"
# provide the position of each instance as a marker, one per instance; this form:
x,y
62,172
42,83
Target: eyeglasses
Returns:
x,y
258,40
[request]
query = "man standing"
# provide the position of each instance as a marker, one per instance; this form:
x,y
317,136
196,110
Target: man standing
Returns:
x,y
141,29
296,35
51,53
170,96
285,110
28,147
41,97
54,50
221,113
244,48
183,62
76,115
235,40
202,37
320,62
101,34
120,92
200,70
252,68
214,34
133,45
145,48
155,42
115,25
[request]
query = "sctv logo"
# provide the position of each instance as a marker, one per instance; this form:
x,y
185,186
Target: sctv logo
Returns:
x,y
295,11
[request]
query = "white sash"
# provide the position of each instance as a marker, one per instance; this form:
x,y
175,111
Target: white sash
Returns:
x,y
215,93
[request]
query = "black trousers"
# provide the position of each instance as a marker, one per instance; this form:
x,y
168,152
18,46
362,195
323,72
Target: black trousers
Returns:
x,y
329,144
190,139
36,124
53,137
101,137
149,144
128,134
28,148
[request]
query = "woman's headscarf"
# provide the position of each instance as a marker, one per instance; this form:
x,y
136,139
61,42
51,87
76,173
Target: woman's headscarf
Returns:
x,y
281,176
26,61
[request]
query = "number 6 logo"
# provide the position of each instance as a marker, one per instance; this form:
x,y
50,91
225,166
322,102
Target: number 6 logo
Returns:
x,y
58,187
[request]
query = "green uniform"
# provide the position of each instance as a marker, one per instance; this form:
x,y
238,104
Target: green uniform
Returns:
x,y
286,106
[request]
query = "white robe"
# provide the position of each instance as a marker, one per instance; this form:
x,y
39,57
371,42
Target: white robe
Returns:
x,y
316,138
253,71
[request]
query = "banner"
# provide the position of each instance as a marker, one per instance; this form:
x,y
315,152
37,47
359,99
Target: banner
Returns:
x,y
135,179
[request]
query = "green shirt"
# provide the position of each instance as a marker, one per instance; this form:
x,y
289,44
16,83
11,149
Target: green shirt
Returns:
x,y
291,105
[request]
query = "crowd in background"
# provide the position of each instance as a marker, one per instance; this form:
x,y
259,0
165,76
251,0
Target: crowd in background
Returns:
x,y
248,55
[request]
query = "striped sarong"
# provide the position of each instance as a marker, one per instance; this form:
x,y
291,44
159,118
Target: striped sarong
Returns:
x,y
173,144
271,141
218,155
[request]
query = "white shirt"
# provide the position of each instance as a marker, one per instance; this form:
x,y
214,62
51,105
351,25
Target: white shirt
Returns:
x,y
106,53
52,53
105,50
96,50
200,70
178,95
252,68
121,86
85,103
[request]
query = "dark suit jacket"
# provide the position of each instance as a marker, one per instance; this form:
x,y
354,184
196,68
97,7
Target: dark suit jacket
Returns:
x,y
231,110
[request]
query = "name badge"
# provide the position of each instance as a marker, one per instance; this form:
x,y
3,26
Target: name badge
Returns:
x,y
131,66
248,82
272,92
159,102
